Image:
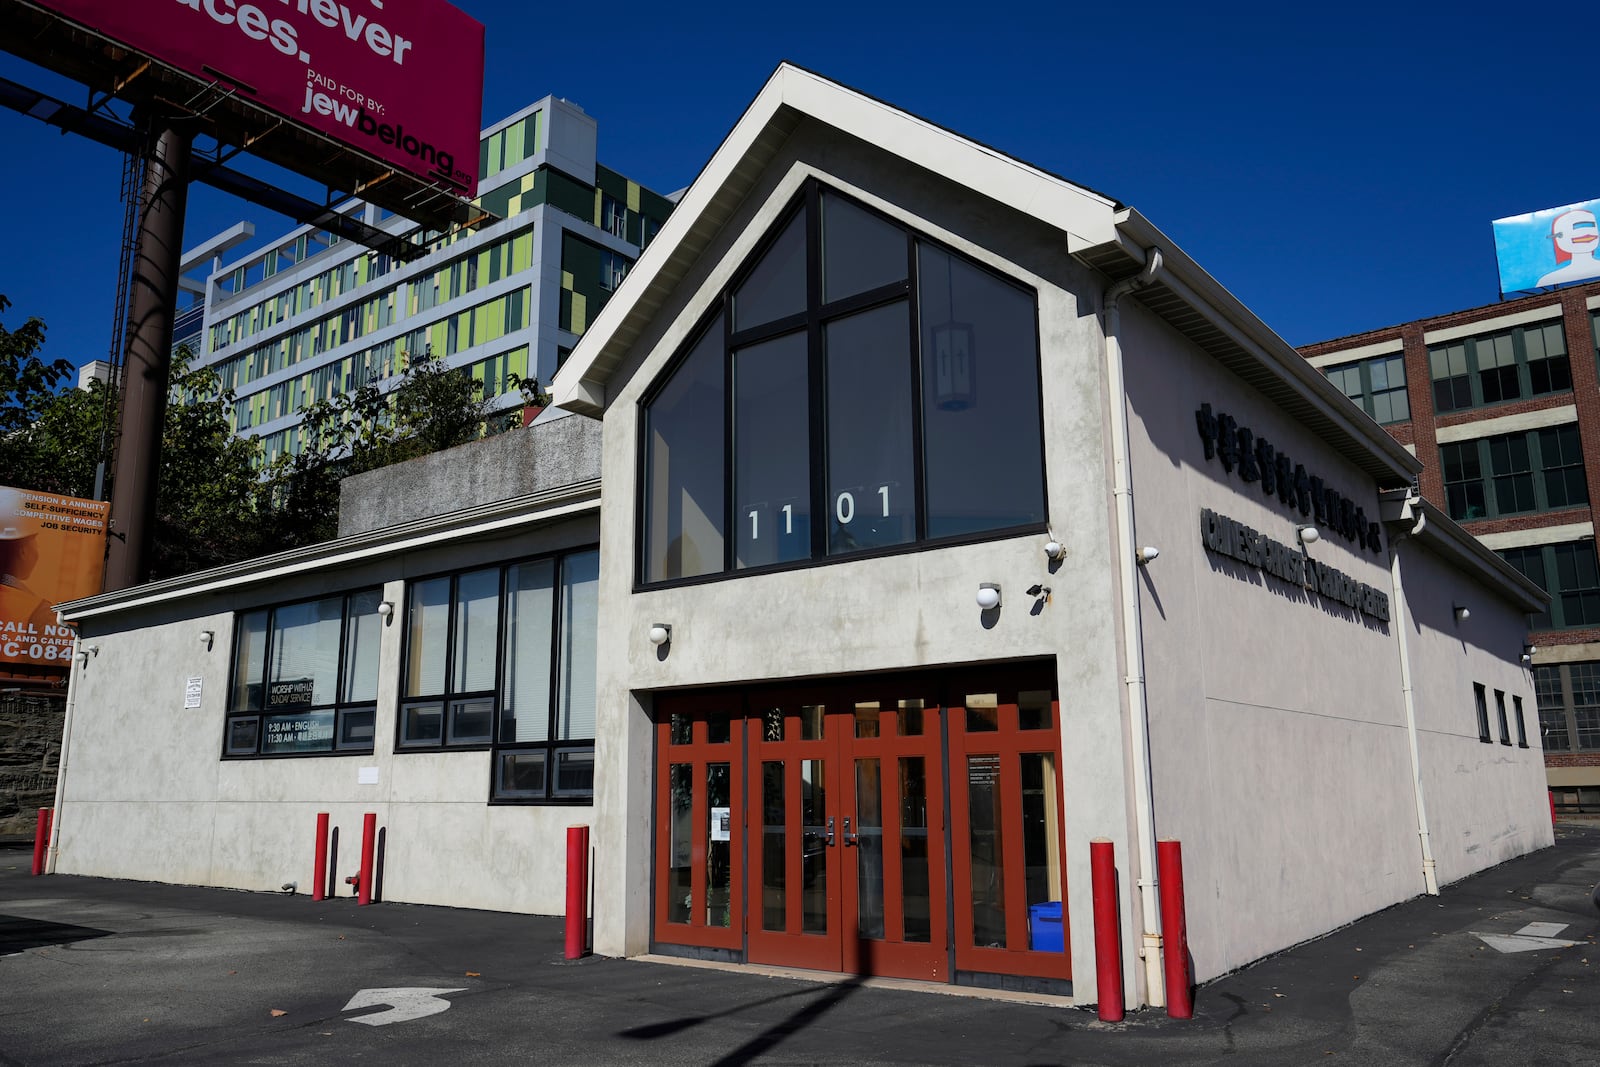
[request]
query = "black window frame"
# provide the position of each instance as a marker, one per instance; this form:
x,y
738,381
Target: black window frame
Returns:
x,y
1500,710
1522,725
1466,391
1542,565
1366,396
1479,453
552,748
1481,696
1551,702
816,315
343,709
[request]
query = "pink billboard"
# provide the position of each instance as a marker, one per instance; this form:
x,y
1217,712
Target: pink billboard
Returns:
x,y
401,80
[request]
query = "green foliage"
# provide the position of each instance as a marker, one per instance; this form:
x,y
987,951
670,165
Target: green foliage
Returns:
x,y
28,388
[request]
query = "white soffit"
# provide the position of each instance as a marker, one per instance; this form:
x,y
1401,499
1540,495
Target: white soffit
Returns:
x,y
790,96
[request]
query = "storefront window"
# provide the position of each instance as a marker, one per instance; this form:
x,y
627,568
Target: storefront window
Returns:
x,y
305,676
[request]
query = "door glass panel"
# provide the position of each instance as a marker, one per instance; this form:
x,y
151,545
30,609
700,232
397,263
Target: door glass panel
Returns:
x,y
1033,709
814,854
1041,851
719,726
811,722
982,715
867,720
680,874
917,906
774,867
988,873
869,864
682,729
772,724
719,836
910,716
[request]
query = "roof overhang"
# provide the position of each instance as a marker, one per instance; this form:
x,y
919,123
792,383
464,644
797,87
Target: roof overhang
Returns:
x,y
1431,527
483,522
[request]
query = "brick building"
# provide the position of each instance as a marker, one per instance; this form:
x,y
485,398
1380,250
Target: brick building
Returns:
x,y
1502,404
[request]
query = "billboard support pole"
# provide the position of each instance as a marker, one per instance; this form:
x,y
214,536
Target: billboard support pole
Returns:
x,y
152,299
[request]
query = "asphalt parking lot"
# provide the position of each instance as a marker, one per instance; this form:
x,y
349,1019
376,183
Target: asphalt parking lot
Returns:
x,y
95,971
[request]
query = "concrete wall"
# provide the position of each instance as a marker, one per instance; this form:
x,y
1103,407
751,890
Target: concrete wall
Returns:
x,y
149,797
888,613
1279,745
1486,803
549,454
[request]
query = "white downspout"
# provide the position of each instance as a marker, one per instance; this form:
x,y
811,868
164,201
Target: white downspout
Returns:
x,y
61,762
1401,620
1133,631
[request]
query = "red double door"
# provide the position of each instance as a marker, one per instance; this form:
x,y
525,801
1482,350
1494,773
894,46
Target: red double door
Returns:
x,y
858,829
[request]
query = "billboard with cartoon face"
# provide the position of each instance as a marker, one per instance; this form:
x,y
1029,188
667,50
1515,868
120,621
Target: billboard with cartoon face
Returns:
x,y
1550,247
52,549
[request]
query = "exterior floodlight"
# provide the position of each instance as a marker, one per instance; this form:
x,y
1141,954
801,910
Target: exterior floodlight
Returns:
x,y
1054,550
386,609
988,596
1463,613
1146,554
1308,534
660,634
206,637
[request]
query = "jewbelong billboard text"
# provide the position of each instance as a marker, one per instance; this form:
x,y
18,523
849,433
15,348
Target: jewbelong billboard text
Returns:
x,y
52,549
398,79
1550,247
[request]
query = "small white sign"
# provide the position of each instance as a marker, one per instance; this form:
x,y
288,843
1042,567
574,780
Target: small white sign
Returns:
x,y
191,692
720,824
366,776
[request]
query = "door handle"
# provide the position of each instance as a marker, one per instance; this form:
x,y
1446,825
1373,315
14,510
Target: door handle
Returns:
x,y
830,831
849,838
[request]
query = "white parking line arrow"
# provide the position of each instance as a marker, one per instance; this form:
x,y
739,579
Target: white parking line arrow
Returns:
x,y
1530,938
405,1004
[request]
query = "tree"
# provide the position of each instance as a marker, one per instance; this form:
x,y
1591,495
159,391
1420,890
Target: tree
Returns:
x,y
28,386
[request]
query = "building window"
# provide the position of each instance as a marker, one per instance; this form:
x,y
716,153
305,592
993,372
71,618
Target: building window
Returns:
x,y
503,658
1509,365
1377,385
1500,710
856,389
1536,470
613,216
305,678
613,268
1522,726
1566,571
1585,678
1552,709
1482,698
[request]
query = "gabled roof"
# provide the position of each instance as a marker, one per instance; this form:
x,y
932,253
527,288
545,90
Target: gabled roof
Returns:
x,y
1104,234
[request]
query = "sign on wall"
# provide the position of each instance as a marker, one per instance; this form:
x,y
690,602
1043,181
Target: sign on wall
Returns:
x,y
52,549
401,80
1550,247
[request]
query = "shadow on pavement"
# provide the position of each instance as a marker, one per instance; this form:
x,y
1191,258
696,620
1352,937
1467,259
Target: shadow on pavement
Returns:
x,y
19,935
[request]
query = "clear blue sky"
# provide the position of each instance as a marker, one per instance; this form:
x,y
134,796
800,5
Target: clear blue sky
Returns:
x,y
1336,167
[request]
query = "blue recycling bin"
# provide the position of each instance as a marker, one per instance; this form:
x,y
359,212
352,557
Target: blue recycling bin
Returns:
x,y
1044,927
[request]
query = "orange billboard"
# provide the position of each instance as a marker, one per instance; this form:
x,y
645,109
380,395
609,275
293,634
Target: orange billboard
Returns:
x,y
52,549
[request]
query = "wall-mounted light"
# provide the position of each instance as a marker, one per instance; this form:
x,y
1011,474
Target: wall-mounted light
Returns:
x,y
386,611
988,596
85,651
1308,534
206,637
1527,653
660,633
1463,613
1054,550
1147,554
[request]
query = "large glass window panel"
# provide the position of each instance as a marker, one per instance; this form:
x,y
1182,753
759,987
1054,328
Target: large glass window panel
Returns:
x,y
249,661
521,774
362,635
719,845
776,288
871,468
301,731
305,654
477,629
814,812
986,821
580,605
1463,480
427,634
980,398
869,858
683,490
860,251
574,772
1041,851
680,861
1497,368
1549,370
1512,470
915,875
774,853
525,695
1561,457
771,452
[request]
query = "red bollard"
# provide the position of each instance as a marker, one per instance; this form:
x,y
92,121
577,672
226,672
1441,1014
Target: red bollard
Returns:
x,y
319,868
1174,930
577,890
41,839
369,835
1107,932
